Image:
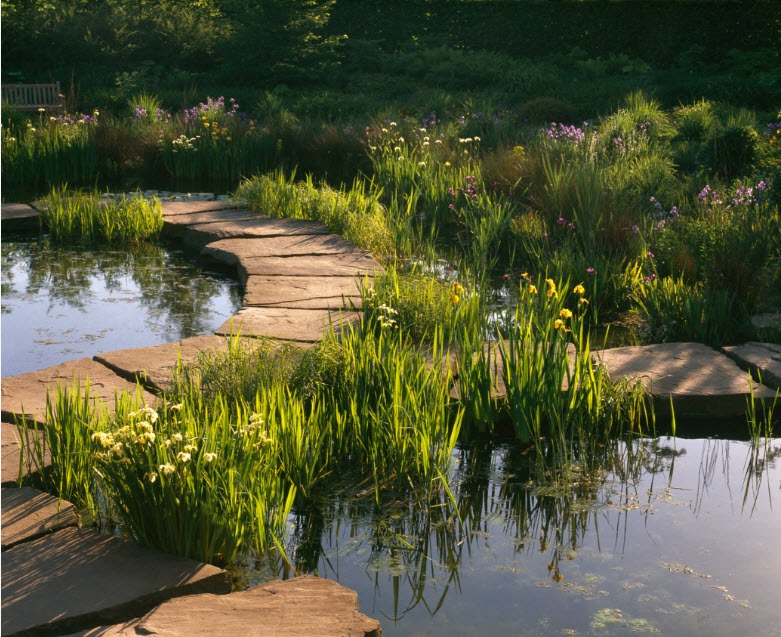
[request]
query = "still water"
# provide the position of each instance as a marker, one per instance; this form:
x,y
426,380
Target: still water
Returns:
x,y
61,303
675,537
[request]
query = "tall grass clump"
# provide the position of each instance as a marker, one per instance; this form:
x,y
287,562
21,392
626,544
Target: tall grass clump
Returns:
x,y
354,213
420,304
215,141
672,310
49,150
72,416
77,216
203,485
555,391
726,237
391,411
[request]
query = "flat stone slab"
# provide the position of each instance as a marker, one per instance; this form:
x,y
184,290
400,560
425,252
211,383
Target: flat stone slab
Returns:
x,y
28,514
171,208
15,211
175,225
313,292
199,235
701,381
153,366
762,357
232,251
76,579
12,453
286,324
26,393
305,606
350,264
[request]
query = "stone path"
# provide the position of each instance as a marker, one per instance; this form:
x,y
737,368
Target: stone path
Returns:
x,y
300,282
299,607
58,578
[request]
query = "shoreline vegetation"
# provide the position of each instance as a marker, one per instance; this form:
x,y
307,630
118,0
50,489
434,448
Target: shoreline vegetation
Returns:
x,y
527,200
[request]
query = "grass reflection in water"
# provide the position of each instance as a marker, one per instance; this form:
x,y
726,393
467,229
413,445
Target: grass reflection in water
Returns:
x,y
668,535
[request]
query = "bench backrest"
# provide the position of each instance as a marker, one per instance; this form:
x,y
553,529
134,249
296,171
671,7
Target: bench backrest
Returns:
x,y
34,97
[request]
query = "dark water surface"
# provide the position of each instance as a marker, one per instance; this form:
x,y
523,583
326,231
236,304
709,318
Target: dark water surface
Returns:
x,y
677,537
62,303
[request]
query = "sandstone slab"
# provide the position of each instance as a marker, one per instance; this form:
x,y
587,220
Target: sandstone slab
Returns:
x,y
175,225
232,251
17,211
286,324
171,208
154,366
700,380
350,264
300,607
75,579
13,466
28,514
199,235
313,292
26,393
762,357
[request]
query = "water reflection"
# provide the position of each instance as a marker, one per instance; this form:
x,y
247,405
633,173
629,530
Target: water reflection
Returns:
x,y
61,303
671,535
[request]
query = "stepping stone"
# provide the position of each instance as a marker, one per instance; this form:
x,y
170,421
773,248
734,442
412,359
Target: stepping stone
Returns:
x,y
153,366
314,292
77,578
28,514
26,393
349,264
171,208
17,211
768,326
762,357
232,251
12,453
297,607
199,235
700,380
175,225
286,324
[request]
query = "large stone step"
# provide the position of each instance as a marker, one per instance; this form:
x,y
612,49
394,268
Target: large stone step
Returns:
x,y
286,324
175,225
762,359
699,380
22,460
25,395
76,579
153,366
197,236
28,514
301,607
313,292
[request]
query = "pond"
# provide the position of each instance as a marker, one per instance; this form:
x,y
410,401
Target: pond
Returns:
x,y
676,537
61,303
673,536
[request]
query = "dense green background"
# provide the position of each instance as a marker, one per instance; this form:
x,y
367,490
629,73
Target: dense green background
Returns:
x,y
176,44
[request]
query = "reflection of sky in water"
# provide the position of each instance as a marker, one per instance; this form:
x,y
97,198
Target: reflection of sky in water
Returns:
x,y
692,549
60,304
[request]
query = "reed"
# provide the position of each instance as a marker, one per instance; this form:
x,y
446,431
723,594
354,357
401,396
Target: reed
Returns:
x,y
78,216
354,213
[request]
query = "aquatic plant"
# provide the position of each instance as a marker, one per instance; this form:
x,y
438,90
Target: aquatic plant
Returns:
x,y
72,215
354,213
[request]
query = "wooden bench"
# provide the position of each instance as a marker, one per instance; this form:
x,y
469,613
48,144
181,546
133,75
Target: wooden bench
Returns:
x,y
34,97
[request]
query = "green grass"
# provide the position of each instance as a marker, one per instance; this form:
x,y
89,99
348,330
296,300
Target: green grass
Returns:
x,y
77,216
354,213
